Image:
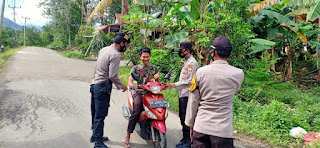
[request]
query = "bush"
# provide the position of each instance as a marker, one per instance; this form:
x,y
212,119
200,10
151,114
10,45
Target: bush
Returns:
x,y
232,26
83,47
55,45
73,55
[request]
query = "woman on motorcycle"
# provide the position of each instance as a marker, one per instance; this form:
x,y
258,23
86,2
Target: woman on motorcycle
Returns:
x,y
147,73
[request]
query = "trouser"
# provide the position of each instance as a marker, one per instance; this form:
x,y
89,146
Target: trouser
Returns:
x,y
201,140
183,101
137,109
100,99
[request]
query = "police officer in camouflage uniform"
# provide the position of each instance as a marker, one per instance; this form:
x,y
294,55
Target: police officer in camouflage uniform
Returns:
x,y
106,74
186,74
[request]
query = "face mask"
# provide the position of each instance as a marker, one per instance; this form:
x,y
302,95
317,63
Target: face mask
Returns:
x,y
123,48
211,56
181,55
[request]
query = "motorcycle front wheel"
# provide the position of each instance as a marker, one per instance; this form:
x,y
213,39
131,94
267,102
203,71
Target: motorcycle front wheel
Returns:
x,y
160,139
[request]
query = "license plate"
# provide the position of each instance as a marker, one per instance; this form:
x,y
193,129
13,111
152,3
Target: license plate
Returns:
x,y
158,103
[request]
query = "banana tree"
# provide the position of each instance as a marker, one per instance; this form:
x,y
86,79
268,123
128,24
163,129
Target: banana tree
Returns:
x,y
311,8
278,24
102,5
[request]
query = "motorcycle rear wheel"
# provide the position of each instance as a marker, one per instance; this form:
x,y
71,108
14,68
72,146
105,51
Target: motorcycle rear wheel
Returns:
x,y
160,139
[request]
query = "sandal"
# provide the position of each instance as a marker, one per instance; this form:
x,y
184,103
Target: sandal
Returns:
x,y
125,144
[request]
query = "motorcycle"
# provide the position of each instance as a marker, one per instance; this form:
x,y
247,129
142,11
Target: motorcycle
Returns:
x,y
151,124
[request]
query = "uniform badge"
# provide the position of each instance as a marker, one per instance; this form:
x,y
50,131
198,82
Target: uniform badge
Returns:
x,y
190,68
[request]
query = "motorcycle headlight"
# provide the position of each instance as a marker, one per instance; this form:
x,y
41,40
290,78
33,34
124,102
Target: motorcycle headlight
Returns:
x,y
150,114
155,89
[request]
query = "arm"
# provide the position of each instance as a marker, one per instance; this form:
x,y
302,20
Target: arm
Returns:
x,y
130,83
192,107
157,75
185,82
113,71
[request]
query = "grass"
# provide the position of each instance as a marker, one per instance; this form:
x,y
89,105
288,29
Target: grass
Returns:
x,y
276,110
71,54
6,54
123,74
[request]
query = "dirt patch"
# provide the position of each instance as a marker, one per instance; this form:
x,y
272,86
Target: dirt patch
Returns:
x,y
245,141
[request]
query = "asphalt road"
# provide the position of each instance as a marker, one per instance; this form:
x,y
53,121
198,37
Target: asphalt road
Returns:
x,y
45,103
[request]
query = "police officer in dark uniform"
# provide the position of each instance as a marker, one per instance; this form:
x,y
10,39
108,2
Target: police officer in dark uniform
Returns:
x,y
106,74
182,85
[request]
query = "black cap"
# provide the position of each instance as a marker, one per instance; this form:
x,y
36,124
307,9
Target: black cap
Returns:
x,y
121,37
185,45
221,44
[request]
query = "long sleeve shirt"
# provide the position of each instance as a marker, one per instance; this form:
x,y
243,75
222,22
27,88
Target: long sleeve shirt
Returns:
x,y
107,66
187,72
209,109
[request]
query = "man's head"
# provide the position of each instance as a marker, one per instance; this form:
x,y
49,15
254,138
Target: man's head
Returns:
x,y
221,48
121,40
185,49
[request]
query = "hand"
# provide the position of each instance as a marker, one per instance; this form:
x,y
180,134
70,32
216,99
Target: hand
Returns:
x,y
124,88
156,76
171,85
191,133
134,87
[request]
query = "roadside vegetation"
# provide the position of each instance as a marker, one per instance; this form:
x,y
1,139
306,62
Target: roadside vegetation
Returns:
x,y
71,54
6,54
273,41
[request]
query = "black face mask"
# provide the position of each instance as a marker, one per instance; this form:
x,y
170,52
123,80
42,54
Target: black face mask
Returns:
x,y
123,48
181,54
211,56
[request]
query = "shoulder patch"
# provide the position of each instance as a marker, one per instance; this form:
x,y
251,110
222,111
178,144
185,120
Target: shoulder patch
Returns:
x,y
193,84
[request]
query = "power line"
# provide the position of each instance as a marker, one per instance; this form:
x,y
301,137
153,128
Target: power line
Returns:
x,y
14,17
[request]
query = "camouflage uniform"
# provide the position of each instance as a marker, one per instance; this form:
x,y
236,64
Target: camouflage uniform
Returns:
x,y
146,74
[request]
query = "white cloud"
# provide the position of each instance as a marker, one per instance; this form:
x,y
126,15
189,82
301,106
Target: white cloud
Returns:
x,y
29,8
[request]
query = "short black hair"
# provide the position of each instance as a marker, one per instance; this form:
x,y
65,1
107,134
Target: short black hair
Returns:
x,y
224,54
144,49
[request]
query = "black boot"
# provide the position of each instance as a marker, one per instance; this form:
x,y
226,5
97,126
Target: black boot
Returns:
x,y
99,143
179,145
187,143
92,139
184,143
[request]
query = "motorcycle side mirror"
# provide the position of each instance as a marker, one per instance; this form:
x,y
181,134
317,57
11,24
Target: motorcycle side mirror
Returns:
x,y
167,76
135,76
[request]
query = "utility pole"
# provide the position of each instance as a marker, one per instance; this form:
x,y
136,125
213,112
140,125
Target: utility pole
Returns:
x,y
25,24
2,12
14,17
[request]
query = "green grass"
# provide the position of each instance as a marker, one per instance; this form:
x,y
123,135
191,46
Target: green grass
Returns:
x,y
123,74
6,54
71,54
278,108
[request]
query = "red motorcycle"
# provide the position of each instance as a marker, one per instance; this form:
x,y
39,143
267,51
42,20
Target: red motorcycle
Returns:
x,y
152,119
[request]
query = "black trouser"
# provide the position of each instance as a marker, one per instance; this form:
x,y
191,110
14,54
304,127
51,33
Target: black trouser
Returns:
x,y
201,140
137,109
183,101
100,99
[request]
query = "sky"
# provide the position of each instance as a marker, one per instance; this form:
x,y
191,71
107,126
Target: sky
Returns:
x,y
29,8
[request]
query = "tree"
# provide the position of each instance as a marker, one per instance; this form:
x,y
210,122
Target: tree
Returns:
x,y
4,37
65,19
